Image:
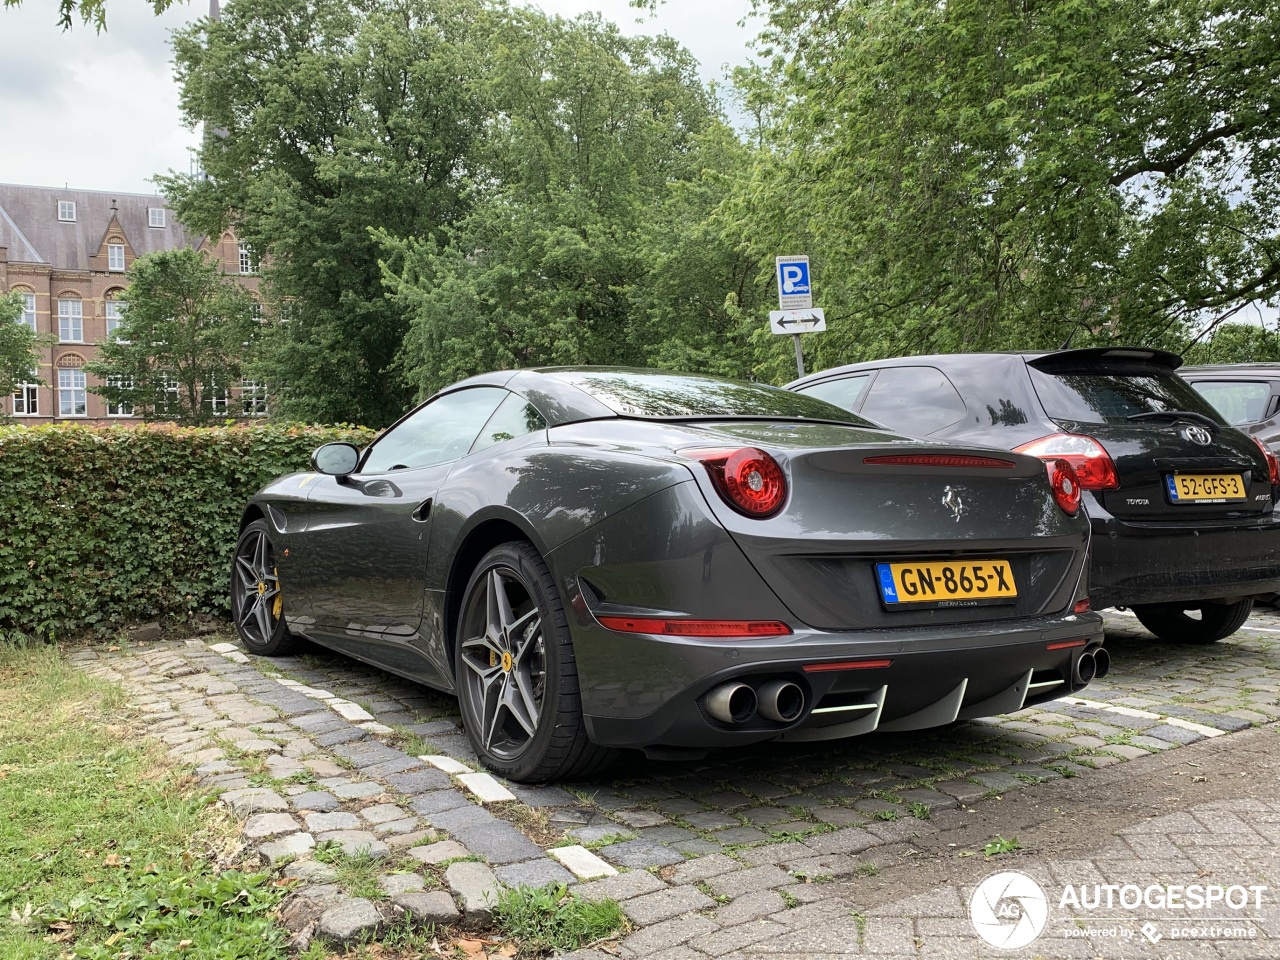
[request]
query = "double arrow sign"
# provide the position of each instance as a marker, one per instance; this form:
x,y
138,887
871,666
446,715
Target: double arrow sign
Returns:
x,y
812,320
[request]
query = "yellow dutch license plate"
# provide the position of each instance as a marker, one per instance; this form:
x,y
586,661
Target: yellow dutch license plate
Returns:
x,y
949,583
1205,487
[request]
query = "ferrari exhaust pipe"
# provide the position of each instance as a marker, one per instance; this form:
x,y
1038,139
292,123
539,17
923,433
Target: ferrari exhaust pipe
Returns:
x,y
1101,663
1086,668
732,703
780,700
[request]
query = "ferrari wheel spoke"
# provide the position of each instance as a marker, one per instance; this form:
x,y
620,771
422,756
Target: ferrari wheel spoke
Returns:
x,y
523,706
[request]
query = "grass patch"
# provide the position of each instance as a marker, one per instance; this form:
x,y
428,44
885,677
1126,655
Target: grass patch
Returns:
x,y
105,850
1000,845
886,814
546,919
921,811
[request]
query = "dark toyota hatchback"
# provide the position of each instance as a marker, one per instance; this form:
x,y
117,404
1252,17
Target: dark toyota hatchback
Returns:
x,y
1182,505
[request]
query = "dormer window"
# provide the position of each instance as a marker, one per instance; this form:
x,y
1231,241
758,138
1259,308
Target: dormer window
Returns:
x,y
155,216
67,211
115,257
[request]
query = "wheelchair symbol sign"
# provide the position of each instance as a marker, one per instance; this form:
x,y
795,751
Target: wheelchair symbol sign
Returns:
x,y
794,292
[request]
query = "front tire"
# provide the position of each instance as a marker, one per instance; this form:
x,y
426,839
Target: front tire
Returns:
x,y
515,672
1196,622
257,598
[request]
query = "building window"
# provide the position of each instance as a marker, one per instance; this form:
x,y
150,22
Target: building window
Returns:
x,y
119,409
115,313
67,211
115,257
26,400
169,389
253,398
29,311
247,264
216,397
155,216
71,321
72,400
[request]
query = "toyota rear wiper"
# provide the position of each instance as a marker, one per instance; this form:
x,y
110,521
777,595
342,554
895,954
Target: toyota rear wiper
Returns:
x,y
1172,415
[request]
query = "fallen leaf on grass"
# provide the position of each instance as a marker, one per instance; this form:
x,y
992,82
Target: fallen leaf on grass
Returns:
x,y
112,860
113,649
472,948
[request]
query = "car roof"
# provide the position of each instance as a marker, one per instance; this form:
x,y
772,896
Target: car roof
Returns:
x,y
1041,358
1243,371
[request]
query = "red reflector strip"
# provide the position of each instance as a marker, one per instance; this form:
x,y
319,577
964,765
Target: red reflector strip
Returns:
x,y
1082,606
847,665
939,460
696,628
1066,644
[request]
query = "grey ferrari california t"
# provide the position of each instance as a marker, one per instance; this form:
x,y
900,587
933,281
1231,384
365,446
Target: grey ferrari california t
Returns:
x,y
596,558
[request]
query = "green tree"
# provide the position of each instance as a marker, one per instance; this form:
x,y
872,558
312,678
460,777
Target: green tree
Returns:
x,y
17,346
181,341
1236,343
332,117
587,240
975,175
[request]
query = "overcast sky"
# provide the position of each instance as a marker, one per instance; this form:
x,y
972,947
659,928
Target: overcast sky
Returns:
x,y
100,111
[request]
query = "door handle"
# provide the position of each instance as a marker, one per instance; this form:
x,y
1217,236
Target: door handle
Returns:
x,y
422,512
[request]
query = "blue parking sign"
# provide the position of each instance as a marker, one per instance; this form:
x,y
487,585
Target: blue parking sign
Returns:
x,y
794,292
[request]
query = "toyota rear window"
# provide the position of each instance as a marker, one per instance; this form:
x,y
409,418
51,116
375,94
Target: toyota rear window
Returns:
x,y
1114,393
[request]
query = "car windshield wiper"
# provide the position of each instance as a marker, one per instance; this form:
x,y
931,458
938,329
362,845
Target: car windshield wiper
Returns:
x,y
1177,415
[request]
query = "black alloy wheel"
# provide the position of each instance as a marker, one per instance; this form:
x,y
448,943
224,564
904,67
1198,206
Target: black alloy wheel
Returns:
x,y
516,676
257,598
1196,622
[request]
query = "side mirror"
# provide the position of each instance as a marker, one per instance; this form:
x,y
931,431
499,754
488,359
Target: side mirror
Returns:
x,y
335,459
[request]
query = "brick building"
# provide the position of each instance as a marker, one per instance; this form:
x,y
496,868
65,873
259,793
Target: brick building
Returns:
x,y
67,252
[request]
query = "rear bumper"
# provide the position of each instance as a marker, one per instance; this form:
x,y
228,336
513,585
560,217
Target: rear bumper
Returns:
x,y
1152,562
656,695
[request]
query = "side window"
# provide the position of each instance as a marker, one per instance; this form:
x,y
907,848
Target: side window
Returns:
x,y
441,431
844,393
516,417
916,401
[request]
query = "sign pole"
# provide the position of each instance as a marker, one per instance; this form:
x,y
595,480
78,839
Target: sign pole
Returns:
x,y
799,355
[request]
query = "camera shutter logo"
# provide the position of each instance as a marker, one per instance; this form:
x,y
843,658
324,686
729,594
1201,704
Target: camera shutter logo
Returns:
x,y
1008,910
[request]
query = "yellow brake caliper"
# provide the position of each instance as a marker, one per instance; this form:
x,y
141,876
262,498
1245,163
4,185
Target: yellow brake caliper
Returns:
x,y
278,606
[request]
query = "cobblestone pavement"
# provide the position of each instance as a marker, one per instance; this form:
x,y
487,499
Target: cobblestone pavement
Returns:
x,y
749,852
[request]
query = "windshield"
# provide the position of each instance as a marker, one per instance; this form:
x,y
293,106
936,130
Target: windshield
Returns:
x,y
1115,393
676,396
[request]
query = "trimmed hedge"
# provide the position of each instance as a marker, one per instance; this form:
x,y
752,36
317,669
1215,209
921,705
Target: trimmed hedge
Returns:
x,y
100,526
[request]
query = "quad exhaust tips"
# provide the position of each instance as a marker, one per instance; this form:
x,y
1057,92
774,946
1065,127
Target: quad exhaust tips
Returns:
x,y
1093,665
779,700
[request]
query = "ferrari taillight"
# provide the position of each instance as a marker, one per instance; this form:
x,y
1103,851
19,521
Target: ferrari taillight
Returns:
x,y
1065,485
1273,464
1093,466
747,479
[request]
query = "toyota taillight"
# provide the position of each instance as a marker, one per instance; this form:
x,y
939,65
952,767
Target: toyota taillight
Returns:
x,y
1065,485
747,479
1273,464
1093,466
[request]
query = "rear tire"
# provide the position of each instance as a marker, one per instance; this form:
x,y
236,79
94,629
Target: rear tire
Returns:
x,y
257,600
515,672
1173,621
